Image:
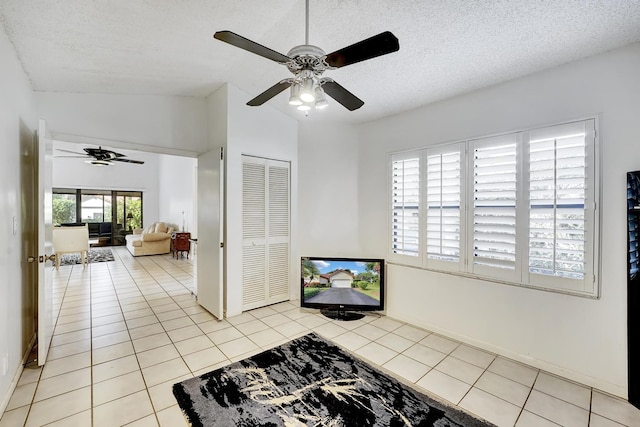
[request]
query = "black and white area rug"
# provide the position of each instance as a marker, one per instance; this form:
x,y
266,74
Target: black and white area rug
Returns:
x,y
95,255
309,382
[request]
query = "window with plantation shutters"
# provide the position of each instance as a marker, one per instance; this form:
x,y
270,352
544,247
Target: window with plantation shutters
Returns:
x,y
518,208
561,204
443,202
494,205
405,194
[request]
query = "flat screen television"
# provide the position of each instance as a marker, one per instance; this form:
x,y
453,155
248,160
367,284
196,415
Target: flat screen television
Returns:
x,y
342,288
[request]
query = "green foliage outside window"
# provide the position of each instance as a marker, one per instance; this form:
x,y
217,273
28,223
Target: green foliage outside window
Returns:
x,y
64,210
134,207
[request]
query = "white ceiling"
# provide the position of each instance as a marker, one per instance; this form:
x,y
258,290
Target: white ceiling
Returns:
x,y
447,47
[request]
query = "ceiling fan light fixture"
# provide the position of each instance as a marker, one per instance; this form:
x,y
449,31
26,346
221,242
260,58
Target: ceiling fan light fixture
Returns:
x,y
321,99
98,162
307,90
294,96
304,107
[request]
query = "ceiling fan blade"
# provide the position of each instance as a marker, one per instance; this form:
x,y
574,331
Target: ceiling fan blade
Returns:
x,y
270,93
69,151
372,47
122,159
343,96
251,46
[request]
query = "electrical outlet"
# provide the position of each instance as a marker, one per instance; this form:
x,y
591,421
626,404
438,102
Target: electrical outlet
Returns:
x,y
15,225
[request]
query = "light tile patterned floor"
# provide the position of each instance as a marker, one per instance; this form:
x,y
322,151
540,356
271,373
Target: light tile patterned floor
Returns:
x,y
128,330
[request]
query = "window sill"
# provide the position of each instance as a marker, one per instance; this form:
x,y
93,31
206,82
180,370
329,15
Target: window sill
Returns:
x,y
500,281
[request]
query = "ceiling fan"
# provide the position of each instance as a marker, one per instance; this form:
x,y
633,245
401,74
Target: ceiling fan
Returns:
x,y
307,63
101,157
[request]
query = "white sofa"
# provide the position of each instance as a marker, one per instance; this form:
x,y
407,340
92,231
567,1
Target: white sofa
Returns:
x,y
152,240
68,240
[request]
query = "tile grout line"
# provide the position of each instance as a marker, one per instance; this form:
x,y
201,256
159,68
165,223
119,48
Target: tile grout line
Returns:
x,y
172,288
181,356
155,413
66,287
91,341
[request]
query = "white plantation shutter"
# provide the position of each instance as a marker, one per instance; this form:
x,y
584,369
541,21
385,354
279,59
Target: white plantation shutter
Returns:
x,y
561,206
518,208
443,201
405,205
494,198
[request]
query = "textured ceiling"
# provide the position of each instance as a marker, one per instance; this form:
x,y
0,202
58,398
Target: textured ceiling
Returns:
x,y
447,47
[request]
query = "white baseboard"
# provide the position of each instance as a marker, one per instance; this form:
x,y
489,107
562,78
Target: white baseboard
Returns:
x,y
16,377
579,377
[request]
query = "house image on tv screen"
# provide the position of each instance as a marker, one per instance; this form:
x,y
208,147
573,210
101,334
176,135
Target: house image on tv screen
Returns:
x,y
341,282
337,279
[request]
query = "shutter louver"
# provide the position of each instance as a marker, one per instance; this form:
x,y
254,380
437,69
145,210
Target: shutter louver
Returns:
x,y
557,204
253,199
278,201
253,274
443,198
494,204
278,270
405,206
278,257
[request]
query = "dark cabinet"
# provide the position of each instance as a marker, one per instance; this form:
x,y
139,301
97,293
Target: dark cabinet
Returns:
x,y
633,285
180,244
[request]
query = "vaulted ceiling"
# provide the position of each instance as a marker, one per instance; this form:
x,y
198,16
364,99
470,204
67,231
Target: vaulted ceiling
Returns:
x,y
447,47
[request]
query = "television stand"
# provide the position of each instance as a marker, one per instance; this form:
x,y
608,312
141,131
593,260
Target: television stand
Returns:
x,y
341,314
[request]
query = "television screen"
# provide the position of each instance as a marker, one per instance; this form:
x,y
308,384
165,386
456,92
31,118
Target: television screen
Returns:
x,y
342,284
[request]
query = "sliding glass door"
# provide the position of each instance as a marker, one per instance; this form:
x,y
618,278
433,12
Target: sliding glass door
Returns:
x,y
128,211
64,207
110,214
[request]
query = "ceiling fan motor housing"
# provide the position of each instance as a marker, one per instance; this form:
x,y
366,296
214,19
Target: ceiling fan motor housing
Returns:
x,y
307,57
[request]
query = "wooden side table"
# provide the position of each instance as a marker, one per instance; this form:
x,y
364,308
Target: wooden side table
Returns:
x,y
180,244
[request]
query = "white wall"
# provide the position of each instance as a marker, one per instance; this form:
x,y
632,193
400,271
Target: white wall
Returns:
x,y
171,123
18,121
328,219
177,192
581,338
262,132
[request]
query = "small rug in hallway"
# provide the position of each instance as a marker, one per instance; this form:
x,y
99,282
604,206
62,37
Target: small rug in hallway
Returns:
x,y
95,255
309,381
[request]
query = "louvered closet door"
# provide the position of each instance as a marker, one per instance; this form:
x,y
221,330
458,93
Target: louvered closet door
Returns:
x,y
265,233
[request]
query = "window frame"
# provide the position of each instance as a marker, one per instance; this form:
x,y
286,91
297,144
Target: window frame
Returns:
x,y
521,276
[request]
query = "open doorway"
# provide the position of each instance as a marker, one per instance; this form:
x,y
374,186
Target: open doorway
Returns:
x,y
126,196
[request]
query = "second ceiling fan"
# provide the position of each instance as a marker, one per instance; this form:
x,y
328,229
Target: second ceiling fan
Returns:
x,y
307,63
101,156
